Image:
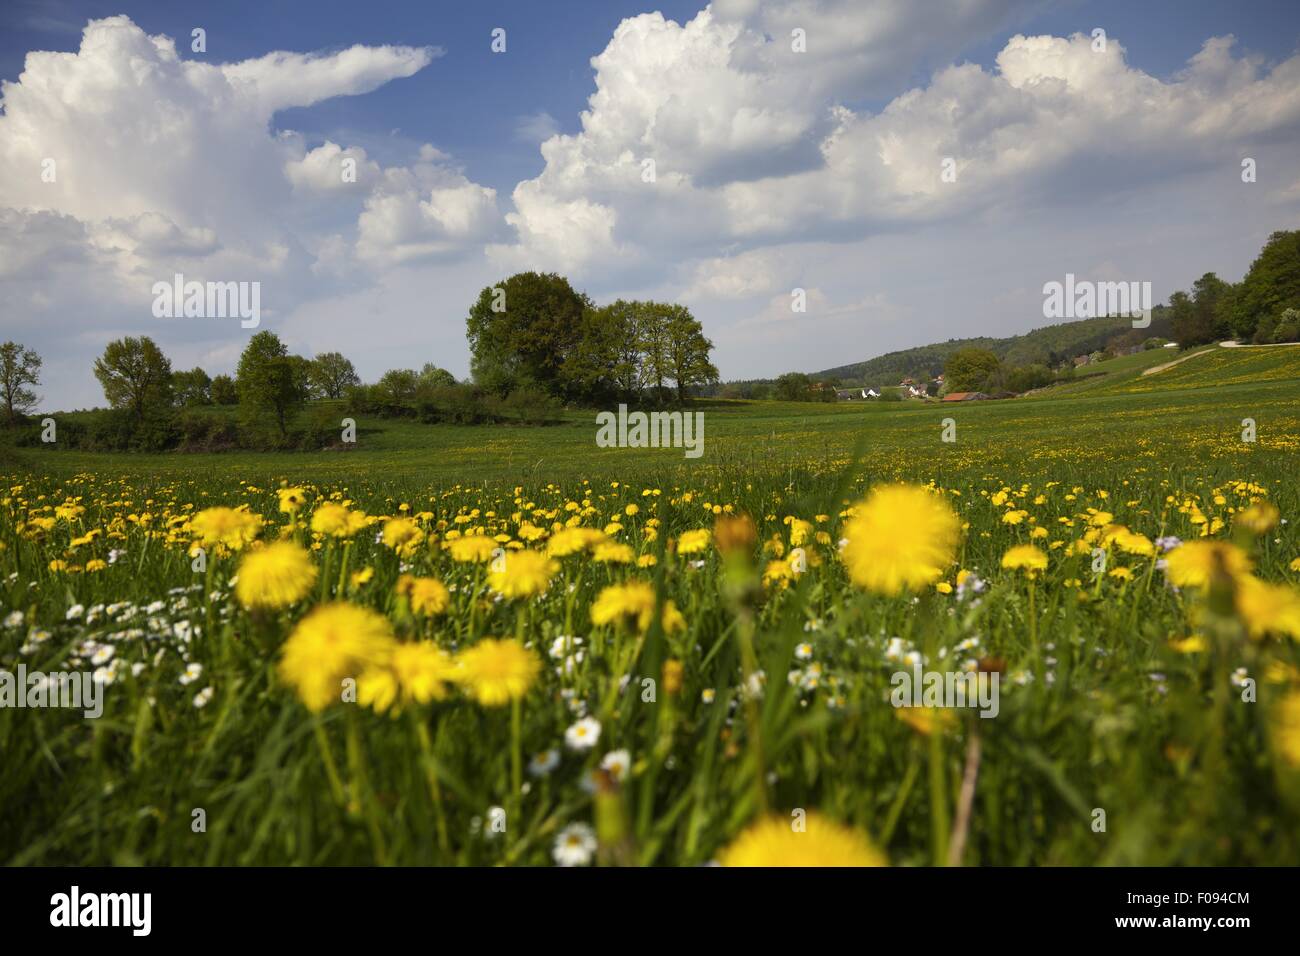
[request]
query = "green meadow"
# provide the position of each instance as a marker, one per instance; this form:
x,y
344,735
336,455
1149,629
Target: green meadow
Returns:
x,y
1174,711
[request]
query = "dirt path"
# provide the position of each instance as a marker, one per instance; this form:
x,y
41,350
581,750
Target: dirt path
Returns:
x,y
1177,361
1261,345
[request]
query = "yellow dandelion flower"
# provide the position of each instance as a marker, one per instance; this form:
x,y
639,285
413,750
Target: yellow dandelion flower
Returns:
x,y
778,574
692,542
275,576
333,519
416,673
229,527
1025,557
927,720
474,549
901,538
572,541
291,499
496,672
610,552
1193,564
1259,518
820,841
334,642
428,596
1133,542
523,574
403,535
1268,608
1192,644
1286,728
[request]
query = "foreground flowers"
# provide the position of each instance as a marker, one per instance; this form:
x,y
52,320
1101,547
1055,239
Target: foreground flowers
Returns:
x,y
821,842
275,576
902,538
497,672
334,642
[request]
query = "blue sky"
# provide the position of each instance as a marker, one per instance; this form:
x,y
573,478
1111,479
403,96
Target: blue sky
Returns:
x,y
775,171
469,102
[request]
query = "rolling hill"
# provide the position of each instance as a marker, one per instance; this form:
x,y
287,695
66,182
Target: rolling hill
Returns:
x,y
1040,345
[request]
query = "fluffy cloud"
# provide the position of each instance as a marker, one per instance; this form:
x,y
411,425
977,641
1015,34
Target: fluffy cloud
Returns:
x,y
753,146
123,163
428,210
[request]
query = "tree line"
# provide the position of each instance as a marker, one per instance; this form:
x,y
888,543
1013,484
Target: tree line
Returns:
x,y
535,343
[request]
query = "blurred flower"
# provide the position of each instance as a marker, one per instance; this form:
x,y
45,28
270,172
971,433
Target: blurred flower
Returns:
x,y
1025,557
583,735
333,642
275,576
522,574
1268,608
1192,565
822,843
496,672
575,845
230,527
901,538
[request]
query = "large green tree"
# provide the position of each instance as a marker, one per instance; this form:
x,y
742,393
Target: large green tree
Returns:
x,y
1271,286
135,375
522,331
223,391
268,381
331,374
688,351
973,369
19,367
192,388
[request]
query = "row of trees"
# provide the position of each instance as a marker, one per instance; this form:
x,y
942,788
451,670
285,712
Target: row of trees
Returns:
x,y
535,331
137,377
1263,307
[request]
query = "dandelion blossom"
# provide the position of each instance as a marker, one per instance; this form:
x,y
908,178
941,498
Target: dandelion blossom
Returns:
x,y
416,673
692,542
778,841
1268,608
229,527
635,602
403,535
1025,557
901,538
274,577
496,672
333,642
522,574
428,596
1192,565
472,550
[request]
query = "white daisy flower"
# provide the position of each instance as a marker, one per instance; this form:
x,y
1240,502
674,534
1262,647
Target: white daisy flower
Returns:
x,y
193,671
202,697
575,845
616,763
583,735
544,762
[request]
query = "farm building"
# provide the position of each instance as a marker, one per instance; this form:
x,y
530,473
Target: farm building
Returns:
x,y
965,397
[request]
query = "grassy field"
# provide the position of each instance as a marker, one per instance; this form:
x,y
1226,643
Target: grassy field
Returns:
x,y
1141,676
